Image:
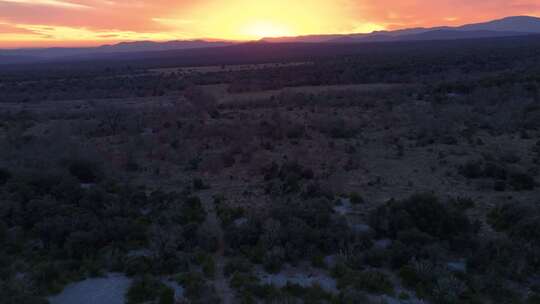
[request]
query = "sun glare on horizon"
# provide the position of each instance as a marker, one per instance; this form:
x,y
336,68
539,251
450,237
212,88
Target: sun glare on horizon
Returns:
x,y
263,29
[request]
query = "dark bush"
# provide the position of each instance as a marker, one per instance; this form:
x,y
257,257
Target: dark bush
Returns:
x,y
499,257
229,215
424,213
371,281
494,171
521,182
472,169
85,171
237,265
477,169
464,203
409,277
198,184
194,284
192,210
137,265
144,289
527,229
166,296
356,198
533,298
5,175
338,128
351,295
505,216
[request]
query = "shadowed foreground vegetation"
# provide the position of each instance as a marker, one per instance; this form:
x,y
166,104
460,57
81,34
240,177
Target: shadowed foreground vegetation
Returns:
x,y
397,176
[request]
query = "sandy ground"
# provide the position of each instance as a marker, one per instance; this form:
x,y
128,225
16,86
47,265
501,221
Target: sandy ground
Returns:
x,y
224,97
225,68
303,276
109,290
221,284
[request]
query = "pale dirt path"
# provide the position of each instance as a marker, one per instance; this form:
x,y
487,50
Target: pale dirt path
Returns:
x,y
212,221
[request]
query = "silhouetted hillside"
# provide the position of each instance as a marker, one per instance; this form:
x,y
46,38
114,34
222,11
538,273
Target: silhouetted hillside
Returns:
x,y
510,26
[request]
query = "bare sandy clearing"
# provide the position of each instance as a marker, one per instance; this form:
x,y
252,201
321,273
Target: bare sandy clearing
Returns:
x,y
220,91
110,290
226,68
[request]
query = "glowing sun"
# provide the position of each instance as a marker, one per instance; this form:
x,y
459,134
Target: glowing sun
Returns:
x,y
262,29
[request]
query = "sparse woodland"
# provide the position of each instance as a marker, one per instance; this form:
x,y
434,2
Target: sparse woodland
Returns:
x,y
378,179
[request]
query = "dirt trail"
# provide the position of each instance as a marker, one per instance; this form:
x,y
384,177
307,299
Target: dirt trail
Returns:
x,y
212,221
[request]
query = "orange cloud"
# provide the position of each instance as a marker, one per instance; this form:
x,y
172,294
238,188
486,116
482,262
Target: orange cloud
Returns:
x,y
57,3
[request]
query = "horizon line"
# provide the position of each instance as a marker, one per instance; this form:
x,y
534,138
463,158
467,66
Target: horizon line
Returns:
x,y
262,39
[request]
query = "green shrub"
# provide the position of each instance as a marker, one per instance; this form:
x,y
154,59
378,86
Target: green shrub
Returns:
x,y
26,299
166,296
273,261
425,214
48,277
505,216
237,265
92,268
408,276
137,265
498,257
464,203
448,290
228,215
356,198
243,281
194,284
247,298
400,254
414,237
144,289
376,257
527,229
317,261
352,295
370,280
209,268
314,294
266,292
192,210
404,296
519,220
534,298
375,282
500,291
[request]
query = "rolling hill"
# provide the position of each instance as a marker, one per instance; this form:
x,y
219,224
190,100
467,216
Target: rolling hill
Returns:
x,y
124,47
510,26
507,27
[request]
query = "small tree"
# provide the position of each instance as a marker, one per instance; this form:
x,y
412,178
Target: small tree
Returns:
x,y
204,103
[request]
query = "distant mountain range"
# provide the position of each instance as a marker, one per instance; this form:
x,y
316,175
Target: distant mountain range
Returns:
x,y
507,27
123,47
510,26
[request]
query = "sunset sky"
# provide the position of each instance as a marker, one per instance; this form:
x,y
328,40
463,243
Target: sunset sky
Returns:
x,y
44,23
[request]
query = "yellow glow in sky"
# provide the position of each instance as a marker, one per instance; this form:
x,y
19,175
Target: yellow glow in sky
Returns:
x,y
248,19
261,29
39,23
